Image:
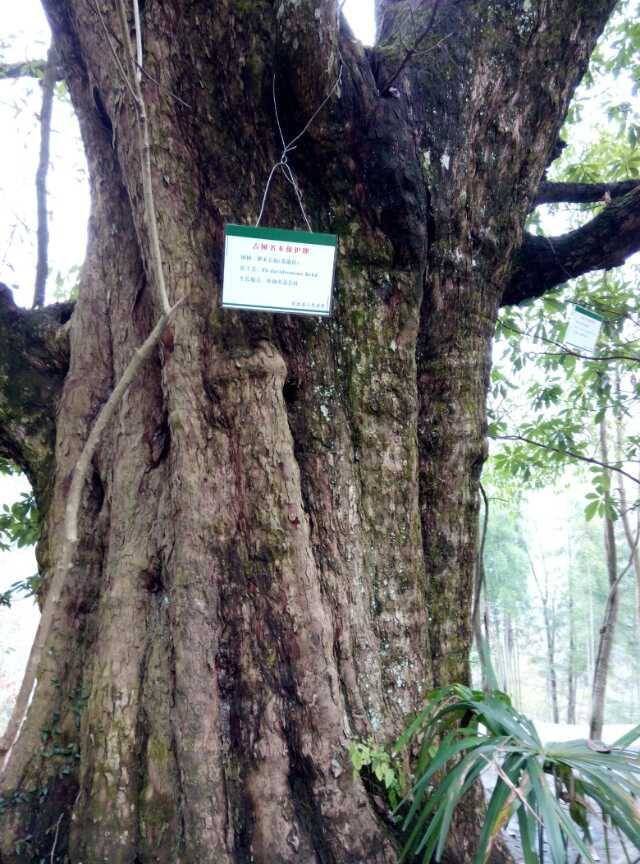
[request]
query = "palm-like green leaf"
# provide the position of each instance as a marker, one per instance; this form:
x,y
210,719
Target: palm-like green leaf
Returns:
x,y
630,738
503,802
461,732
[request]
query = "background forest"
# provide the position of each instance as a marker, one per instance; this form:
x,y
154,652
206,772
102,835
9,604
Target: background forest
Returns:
x,y
546,590
563,471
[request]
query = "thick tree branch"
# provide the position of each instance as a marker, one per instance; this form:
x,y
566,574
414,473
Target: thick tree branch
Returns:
x,y
28,69
33,363
583,193
543,263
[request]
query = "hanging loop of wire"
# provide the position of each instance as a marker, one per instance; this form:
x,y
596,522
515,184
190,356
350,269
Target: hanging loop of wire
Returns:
x,y
283,163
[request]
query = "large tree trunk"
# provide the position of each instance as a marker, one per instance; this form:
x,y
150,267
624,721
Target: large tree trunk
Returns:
x,y
277,538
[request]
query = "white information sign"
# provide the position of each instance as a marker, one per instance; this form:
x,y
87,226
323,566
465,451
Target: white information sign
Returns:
x,y
272,270
583,329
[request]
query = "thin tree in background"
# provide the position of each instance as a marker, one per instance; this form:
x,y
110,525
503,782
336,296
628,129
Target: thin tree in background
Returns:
x,y
549,616
572,676
610,615
628,515
48,83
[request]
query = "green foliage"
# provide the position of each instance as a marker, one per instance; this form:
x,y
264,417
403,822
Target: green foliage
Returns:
x,y
29,587
568,391
507,561
66,285
381,765
553,421
610,157
8,468
19,526
19,523
600,501
461,733
621,58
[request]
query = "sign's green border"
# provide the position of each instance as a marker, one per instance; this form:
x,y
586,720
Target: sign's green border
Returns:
x,y
589,313
284,309
281,235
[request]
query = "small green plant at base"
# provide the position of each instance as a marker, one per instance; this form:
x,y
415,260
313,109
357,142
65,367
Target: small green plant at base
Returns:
x,y
381,764
461,733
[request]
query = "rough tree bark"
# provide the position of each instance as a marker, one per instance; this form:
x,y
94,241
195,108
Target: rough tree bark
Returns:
x,y
277,540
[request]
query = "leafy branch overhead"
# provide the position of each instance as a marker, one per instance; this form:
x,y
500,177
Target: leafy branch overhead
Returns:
x,y
553,421
572,390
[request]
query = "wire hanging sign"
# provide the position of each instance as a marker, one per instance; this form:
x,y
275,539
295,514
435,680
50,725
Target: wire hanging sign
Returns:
x,y
276,269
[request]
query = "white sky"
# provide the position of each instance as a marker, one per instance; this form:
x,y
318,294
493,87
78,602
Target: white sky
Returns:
x,y
360,15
